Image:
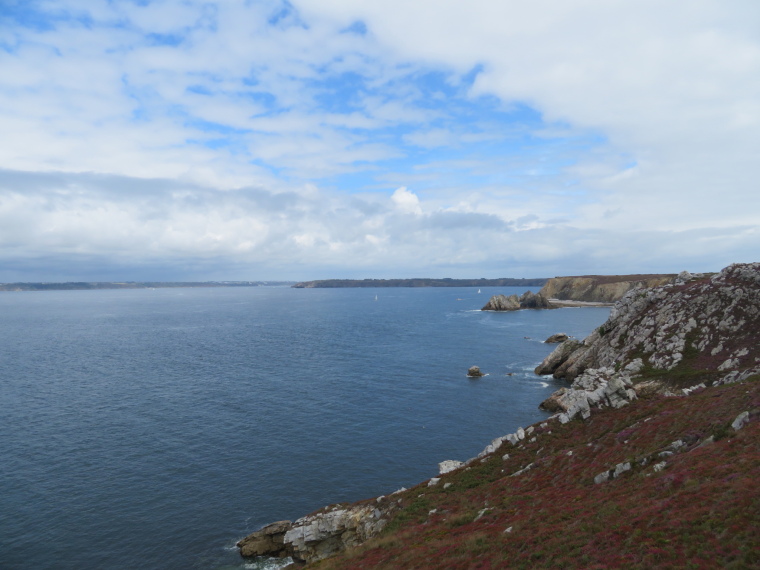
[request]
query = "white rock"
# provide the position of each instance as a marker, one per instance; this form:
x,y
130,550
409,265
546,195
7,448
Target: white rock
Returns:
x,y
513,439
621,468
448,466
740,421
433,482
602,477
481,512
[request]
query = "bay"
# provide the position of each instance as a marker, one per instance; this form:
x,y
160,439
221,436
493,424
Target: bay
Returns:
x,y
155,428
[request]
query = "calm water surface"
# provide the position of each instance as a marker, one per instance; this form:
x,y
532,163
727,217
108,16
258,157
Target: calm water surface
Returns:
x,y
155,428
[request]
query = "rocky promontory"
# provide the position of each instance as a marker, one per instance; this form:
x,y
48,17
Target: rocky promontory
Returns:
x,y
320,534
650,458
687,331
527,300
600,288
587,290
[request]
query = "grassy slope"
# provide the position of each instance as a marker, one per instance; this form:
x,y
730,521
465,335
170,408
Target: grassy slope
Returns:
x,y
701,511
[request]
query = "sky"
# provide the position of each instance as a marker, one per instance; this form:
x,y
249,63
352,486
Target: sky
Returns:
x,y
261,140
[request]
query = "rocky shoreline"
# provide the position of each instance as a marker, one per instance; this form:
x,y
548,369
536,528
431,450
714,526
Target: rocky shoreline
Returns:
x,y
671,340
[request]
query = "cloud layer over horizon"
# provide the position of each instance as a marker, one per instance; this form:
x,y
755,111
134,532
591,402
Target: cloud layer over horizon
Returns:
x,y
170,140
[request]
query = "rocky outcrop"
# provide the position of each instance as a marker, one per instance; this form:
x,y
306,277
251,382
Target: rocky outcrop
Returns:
x,y
600,288
502,303
474,372
527,300
269,541
558,357
695,325
320,534
556,338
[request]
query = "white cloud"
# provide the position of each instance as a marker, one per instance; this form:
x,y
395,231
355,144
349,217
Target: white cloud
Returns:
x,y
637,149
406,201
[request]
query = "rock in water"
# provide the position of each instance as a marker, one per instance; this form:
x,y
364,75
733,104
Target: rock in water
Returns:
x,y
527,300
502,303
556,338
530,300
474,372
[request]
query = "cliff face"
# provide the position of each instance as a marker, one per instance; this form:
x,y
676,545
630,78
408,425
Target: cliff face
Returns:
x,y
686,332
600,288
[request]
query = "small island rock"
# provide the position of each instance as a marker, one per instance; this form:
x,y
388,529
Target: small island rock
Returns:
x,y
474,372
555,338
527,300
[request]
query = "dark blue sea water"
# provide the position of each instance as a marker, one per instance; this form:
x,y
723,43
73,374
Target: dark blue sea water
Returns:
x,y
155,428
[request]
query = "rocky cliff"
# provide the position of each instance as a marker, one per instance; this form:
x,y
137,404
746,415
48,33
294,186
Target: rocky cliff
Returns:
x,y
663,339
600,288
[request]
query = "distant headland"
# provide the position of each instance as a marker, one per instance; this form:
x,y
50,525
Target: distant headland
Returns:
x,y
88,285
422,282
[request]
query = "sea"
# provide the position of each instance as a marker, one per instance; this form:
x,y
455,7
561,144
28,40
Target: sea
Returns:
x,y
154,428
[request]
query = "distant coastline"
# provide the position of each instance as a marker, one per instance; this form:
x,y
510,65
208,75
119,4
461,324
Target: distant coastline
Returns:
x,y
421,282
85,285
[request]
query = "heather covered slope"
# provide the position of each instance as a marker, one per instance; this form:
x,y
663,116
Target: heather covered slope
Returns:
x,y
689,499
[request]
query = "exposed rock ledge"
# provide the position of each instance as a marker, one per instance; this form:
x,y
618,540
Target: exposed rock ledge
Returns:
x,y
701,328
320,534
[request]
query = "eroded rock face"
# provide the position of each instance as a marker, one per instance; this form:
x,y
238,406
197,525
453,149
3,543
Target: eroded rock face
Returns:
x,y
556,338
600,288
558,357
269,541
698,323
502,303
711,319
527,300
320,534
